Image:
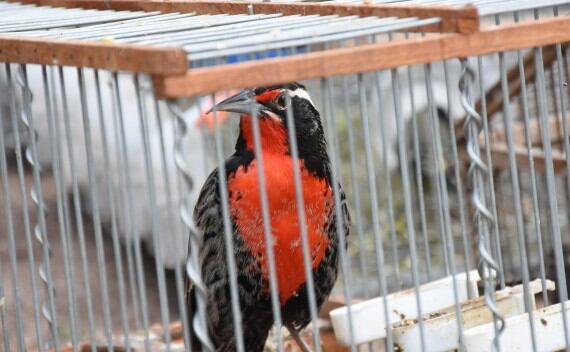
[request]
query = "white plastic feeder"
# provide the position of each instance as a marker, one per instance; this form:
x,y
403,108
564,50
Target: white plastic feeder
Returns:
x,y
368,318
549,332
440,327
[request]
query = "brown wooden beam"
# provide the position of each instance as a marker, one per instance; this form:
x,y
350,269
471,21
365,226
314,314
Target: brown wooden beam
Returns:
x,y
453,19
102,55
500,157
519,138
365,58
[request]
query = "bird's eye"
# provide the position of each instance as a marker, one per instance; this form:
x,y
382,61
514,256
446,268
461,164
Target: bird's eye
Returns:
x,y
281,101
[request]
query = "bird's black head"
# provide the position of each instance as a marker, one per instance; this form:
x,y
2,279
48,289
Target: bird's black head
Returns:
x,y
271,105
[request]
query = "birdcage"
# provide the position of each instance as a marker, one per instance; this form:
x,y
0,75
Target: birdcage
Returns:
x,y
446,125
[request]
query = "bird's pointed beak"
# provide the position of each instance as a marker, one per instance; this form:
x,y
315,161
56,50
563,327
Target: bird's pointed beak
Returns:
x,y
242,103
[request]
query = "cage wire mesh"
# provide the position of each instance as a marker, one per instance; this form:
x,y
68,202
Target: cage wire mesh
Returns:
x,y
448,167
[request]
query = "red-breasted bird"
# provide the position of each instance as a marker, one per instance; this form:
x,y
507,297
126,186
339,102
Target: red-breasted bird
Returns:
x,y
271,105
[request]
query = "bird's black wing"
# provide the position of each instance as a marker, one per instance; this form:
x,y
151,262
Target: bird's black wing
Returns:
x,y
254,303
209,220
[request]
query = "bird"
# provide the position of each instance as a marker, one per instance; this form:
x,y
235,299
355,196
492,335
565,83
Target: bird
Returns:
x,y
270,106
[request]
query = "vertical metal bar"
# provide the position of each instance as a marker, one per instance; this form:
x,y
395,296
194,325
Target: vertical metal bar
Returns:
x,y
355,187
388,179
389,189
112,210
551,188
442,209
193,265
3,315
182,189
441,187
163,300
563,107
40,231
536,209
124,204
483,217
130,205
443,199
170,204
60,194
419,179
63,195
338,199
407,197
268,236
77,207
379,248
467,245
8,219
516,195
25,209
102,271
228,233
491,184
300,204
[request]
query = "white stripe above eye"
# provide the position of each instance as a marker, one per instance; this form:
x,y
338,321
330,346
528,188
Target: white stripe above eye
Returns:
x,y
301,93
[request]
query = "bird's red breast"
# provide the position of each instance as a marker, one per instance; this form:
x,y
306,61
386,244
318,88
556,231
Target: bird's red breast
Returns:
x,y
245,205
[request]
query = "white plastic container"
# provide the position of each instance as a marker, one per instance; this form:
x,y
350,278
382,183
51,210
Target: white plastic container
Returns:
x,y
368,317
549,332
440,328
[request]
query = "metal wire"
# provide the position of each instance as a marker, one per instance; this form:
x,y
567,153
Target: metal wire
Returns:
x,y
268,238
3,315
458,182
77,207
45,271
25,209
378,246
114,230
56,166
389,191
551,189
407,198
359,219
95,206
132,224
163,301
170,204
494,222
335,179
301,215
231,260
193,268
11,243
443,201
482,217
517,200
